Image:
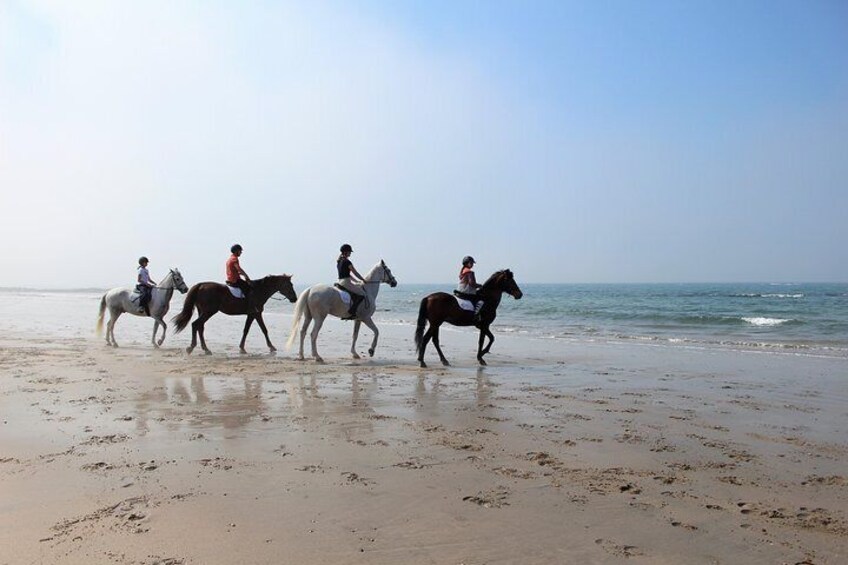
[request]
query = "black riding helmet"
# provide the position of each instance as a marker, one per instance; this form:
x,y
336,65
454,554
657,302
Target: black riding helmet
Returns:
x,y
468,259
142,260
346,248
235,248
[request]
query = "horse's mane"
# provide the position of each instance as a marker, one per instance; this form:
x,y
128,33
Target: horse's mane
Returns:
x,y
495,276
268,279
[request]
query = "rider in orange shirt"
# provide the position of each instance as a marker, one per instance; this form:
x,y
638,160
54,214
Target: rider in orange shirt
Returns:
x,y
235,273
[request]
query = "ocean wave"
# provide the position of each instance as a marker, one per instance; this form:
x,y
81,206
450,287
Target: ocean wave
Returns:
x,y
767,295
760,321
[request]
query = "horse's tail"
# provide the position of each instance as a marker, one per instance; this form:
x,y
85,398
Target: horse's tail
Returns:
x,y
298,314
422,321
99,328
182,319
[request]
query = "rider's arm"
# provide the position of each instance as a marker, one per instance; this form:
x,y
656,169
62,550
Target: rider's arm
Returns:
x,y
242,273
353,271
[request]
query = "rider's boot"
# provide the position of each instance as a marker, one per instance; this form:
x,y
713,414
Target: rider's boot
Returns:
x,y
354,304
477,308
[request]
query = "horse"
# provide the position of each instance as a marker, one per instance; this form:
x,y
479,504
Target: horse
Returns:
x,y
441,307
210,297
319,301
119,300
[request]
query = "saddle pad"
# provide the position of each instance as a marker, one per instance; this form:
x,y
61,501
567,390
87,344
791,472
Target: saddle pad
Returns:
x,y
236,291
344,294
464,304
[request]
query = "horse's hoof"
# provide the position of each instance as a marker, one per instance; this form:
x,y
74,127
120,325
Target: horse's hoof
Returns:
x,y
319,360
482,362
370,353
445,363
242,351
161,341
207,352
423,365
356,356
301,358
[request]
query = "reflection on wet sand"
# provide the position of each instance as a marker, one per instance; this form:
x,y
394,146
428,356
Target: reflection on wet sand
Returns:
x,y
247,403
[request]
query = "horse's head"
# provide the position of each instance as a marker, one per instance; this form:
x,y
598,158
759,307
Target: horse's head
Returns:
x,y
388,277
283,285
179,282
505,282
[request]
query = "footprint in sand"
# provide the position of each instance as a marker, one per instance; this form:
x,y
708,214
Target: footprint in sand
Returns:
x,y
619,550
495,498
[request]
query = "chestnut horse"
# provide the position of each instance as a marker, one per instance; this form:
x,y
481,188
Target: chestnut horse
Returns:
x,y
441,307
211,297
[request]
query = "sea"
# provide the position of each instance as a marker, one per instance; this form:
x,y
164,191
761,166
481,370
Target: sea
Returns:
x,y
789,317
800,318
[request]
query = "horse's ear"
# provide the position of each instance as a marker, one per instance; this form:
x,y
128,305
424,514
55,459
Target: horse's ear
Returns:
x,y
382,262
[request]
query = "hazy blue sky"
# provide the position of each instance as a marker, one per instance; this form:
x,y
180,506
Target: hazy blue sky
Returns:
x,y
571,141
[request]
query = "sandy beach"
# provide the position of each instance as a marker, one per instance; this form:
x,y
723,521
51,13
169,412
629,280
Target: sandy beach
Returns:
x,y
558,452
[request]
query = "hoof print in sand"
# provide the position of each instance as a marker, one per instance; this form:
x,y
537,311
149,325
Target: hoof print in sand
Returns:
x,y
489,499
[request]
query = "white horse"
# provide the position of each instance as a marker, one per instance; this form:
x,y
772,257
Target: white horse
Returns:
x,y
319,301
119,300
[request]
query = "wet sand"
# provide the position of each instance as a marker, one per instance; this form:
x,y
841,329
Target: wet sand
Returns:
x,y
558,452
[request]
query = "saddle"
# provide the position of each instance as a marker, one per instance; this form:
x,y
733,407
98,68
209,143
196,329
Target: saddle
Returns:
x,y
235,291
472,298
350,299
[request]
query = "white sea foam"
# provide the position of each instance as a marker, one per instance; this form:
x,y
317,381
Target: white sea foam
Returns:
x,y
766,321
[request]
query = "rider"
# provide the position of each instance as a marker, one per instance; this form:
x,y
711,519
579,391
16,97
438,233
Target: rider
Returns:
x,y
468,286
144,285
348,282
235,273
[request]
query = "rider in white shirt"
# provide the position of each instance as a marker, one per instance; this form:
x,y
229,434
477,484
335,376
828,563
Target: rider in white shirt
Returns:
x,y
145,284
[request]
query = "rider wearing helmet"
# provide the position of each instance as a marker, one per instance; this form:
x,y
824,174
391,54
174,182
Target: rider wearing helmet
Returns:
x,y
468,286
236,276
144,284
346,281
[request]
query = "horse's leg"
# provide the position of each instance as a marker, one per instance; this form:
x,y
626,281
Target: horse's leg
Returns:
x,y
491,337
425,339
109,329
164,331
113,317
319,321
307,319
356,325
484,332
370,323
264,329
247,324
155,329
438,347
191,347
201,329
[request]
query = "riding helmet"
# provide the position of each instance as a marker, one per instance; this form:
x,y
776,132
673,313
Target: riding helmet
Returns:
x,y
235,248
468,259
346,248
142,260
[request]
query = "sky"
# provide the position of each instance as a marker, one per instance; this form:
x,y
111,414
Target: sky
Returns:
x,y
610,141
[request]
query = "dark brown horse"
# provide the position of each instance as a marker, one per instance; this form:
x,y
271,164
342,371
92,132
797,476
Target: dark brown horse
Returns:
x,y
209,298
441,307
